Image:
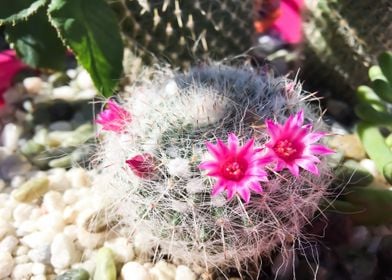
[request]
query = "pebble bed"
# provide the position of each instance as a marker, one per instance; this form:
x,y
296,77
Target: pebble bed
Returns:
x,y
50,223
45,215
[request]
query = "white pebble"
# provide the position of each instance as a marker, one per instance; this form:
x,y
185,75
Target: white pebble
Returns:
x,y
21,259
370,166
10,136
70,196
90,240
6,213
63,252
5,228
88,265
84,81
8,244
171,88
70,214
58,180
6,264
2,184
60,126
135,271
164,271
64,92
71,231
53,201
38,269
53,221
40,254
33,85
184,273
41,277
121,248
27,227
21,250
78,178
22,213
22,271
17,181
39,238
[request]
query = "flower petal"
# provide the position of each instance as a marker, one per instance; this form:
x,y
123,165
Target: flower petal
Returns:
x,y
232,142
294,169
274,129
321,150
213,149
256,187
218,188
244,193
308,165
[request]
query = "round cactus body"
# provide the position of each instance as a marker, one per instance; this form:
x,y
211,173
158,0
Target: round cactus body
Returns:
x,y
152,176
180,32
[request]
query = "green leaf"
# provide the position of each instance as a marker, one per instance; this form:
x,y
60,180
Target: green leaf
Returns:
x,y
376,73
36,42
374,144
385,61
16,10
375,206
383,90
369,114
366,95
387,172
90,29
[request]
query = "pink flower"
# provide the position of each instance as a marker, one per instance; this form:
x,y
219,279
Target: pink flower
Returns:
x,y
292,145
114,118
142,165
237,169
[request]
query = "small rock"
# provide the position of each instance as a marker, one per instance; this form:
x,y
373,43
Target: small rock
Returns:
x,y
59,79
70,196
40,277
14,165
40,254
8,244
58,180
64,92
105,268
17,181
87,94
10,136
370,166
121,248
6,264
74,274
31,148
53,201
22,213
135,271
53,221
5,228
350,145
84,81
27,227
90,240
38,239
2,185
21,259
63,162
164,271
63,252
21,250
22,271
6,213
78,178
31,190
33,85
184,273
38,269
60,126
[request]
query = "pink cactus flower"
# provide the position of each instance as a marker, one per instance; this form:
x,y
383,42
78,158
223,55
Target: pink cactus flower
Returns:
x,y
114,118
292,145
142,165
238,170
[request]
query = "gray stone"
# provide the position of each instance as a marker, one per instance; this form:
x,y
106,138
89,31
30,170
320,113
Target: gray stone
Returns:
x,y
12,166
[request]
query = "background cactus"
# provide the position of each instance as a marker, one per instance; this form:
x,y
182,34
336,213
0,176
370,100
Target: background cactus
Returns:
x,y
173,213
180,32
343,40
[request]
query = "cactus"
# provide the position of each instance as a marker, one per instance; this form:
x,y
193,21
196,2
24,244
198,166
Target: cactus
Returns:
x,y
150,174
180,32
343,40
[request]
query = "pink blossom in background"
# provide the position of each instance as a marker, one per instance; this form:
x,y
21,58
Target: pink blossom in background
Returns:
x,y
143,165
289,23
114,118
10,65
292,145
237,169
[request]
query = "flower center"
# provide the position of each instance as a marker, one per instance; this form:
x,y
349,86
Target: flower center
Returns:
x,y
285,149
234,170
